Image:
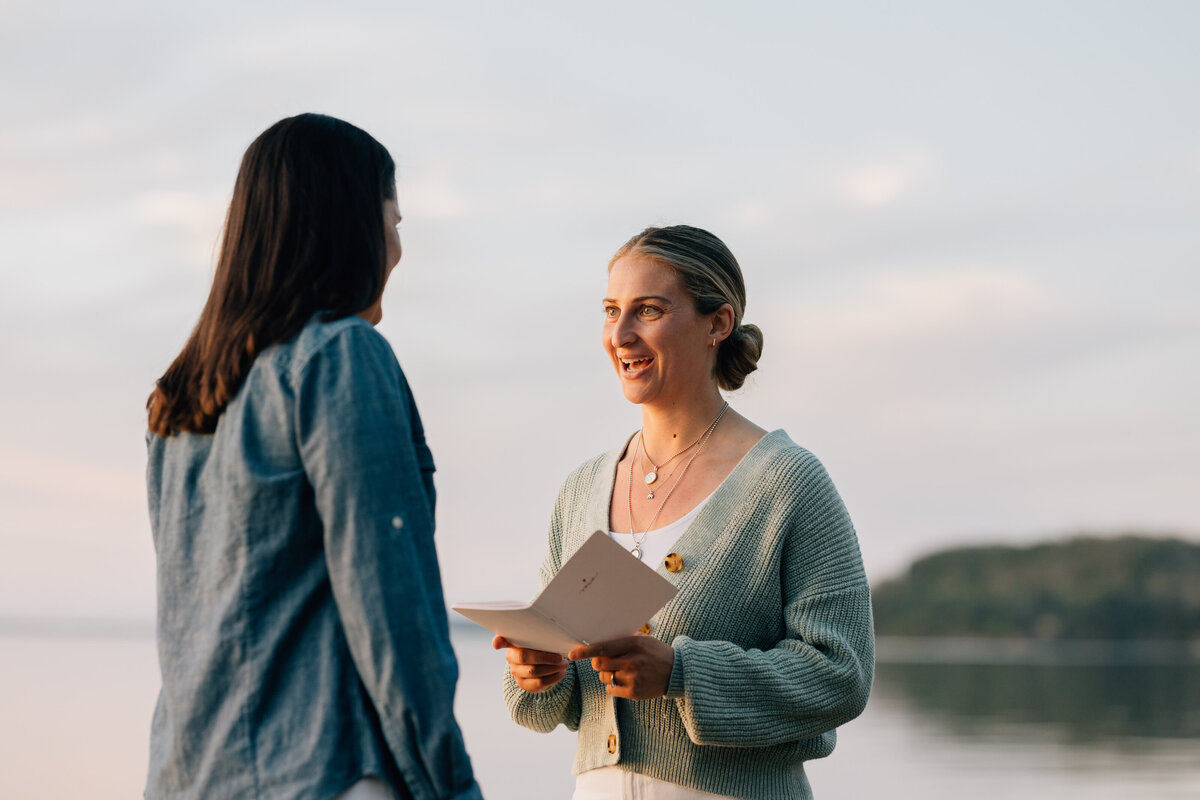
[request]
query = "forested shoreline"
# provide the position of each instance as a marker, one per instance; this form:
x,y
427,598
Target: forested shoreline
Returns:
x,y
1130,587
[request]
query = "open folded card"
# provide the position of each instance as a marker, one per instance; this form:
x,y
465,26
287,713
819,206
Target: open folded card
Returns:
x,y
602,592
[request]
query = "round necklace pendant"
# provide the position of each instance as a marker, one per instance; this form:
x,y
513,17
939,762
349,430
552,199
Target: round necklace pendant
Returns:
x,y
636,551
651,477
650,496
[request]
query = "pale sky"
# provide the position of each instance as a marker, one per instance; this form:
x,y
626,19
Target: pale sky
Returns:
x,y
969,234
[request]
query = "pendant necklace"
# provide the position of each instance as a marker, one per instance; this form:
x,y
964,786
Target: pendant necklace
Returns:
x,y
652,475
665,478
637,541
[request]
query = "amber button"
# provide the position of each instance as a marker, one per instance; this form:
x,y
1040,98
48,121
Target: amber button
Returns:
x,y
673,562
612,743
645,628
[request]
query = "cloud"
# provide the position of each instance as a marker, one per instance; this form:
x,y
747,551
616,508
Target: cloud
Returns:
x,y
431,193
752,214
919,304
189,223
188,212
85,130
28,473
881,183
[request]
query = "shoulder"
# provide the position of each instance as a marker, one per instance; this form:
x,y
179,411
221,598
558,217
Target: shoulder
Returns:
x,y
809,510
779,467
785,458
586,488
350,335
337,359
582,478
342,351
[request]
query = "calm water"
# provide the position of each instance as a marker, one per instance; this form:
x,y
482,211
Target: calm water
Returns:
x,y
74,714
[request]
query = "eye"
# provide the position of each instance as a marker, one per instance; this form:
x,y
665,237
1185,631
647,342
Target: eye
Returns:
x,y
611,312
649,311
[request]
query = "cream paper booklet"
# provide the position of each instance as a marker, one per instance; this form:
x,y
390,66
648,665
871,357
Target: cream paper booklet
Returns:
x,y
603,592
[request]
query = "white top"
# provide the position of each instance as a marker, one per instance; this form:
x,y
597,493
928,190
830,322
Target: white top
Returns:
x,y
614,783
656,544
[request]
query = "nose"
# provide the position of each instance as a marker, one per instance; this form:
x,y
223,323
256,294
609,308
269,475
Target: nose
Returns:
x,y
622,333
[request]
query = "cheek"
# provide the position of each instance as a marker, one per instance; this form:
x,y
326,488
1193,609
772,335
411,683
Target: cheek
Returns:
x,y
606,337
394,250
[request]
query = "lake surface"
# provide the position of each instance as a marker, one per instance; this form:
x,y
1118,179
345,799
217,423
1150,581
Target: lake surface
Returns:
x,y
75,711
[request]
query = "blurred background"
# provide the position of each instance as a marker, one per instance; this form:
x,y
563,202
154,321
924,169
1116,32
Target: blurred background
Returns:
x,y
969,234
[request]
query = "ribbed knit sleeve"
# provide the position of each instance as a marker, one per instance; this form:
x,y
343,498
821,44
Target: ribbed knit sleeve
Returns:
x,y
560,704
801,688
818,675
544,711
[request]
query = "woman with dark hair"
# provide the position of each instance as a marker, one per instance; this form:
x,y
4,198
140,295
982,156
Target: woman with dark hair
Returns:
x,y
302,635
768,645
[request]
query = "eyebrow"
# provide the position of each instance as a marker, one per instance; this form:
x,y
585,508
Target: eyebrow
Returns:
x,y
659,297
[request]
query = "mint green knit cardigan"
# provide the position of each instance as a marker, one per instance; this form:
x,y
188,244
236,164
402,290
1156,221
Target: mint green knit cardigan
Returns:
x,y
774,646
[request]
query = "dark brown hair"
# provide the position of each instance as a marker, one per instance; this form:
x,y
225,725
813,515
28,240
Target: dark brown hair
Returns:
x,y
711,275
304,234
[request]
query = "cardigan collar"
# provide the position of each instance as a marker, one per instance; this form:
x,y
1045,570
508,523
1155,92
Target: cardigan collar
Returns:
x,y
694,544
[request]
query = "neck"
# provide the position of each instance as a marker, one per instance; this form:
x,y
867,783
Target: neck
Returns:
x,y
667,429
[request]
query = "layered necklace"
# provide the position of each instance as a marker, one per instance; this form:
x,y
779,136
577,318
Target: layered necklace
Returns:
x,y
653,476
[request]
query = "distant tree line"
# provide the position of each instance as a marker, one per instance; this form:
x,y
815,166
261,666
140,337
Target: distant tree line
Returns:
x,y
1131,587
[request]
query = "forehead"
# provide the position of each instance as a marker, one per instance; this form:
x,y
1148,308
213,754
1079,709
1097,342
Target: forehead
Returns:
x,y
637,275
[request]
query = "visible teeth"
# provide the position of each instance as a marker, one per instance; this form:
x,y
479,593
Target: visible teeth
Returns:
x,y
635,363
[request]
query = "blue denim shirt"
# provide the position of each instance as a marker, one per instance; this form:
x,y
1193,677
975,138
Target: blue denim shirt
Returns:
x,y
302,634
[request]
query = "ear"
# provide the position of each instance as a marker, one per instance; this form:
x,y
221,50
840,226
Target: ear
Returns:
x,y
722,323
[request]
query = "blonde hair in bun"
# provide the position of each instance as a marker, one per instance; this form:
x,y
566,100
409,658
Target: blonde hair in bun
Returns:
x,y
711,275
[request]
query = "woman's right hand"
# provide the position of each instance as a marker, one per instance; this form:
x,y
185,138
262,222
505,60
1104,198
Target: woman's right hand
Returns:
x,y
534,670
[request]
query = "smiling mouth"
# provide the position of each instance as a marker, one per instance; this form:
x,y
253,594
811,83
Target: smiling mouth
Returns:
x,y
635,364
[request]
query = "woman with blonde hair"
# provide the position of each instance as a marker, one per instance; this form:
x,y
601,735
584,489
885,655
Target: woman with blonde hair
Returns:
x,y
768,645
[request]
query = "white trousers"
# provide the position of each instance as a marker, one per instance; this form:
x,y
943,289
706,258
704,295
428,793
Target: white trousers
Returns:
x,y
614,783
368,789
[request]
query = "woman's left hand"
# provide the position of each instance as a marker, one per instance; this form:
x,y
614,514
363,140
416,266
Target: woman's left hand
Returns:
x,y
635,667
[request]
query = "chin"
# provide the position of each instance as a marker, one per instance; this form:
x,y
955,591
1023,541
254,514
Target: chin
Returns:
x,y
635,394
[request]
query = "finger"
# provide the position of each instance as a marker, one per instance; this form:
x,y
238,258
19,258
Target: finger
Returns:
x,y
499,643
539,684
620,690
525,655
537,670
610,648
612,664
